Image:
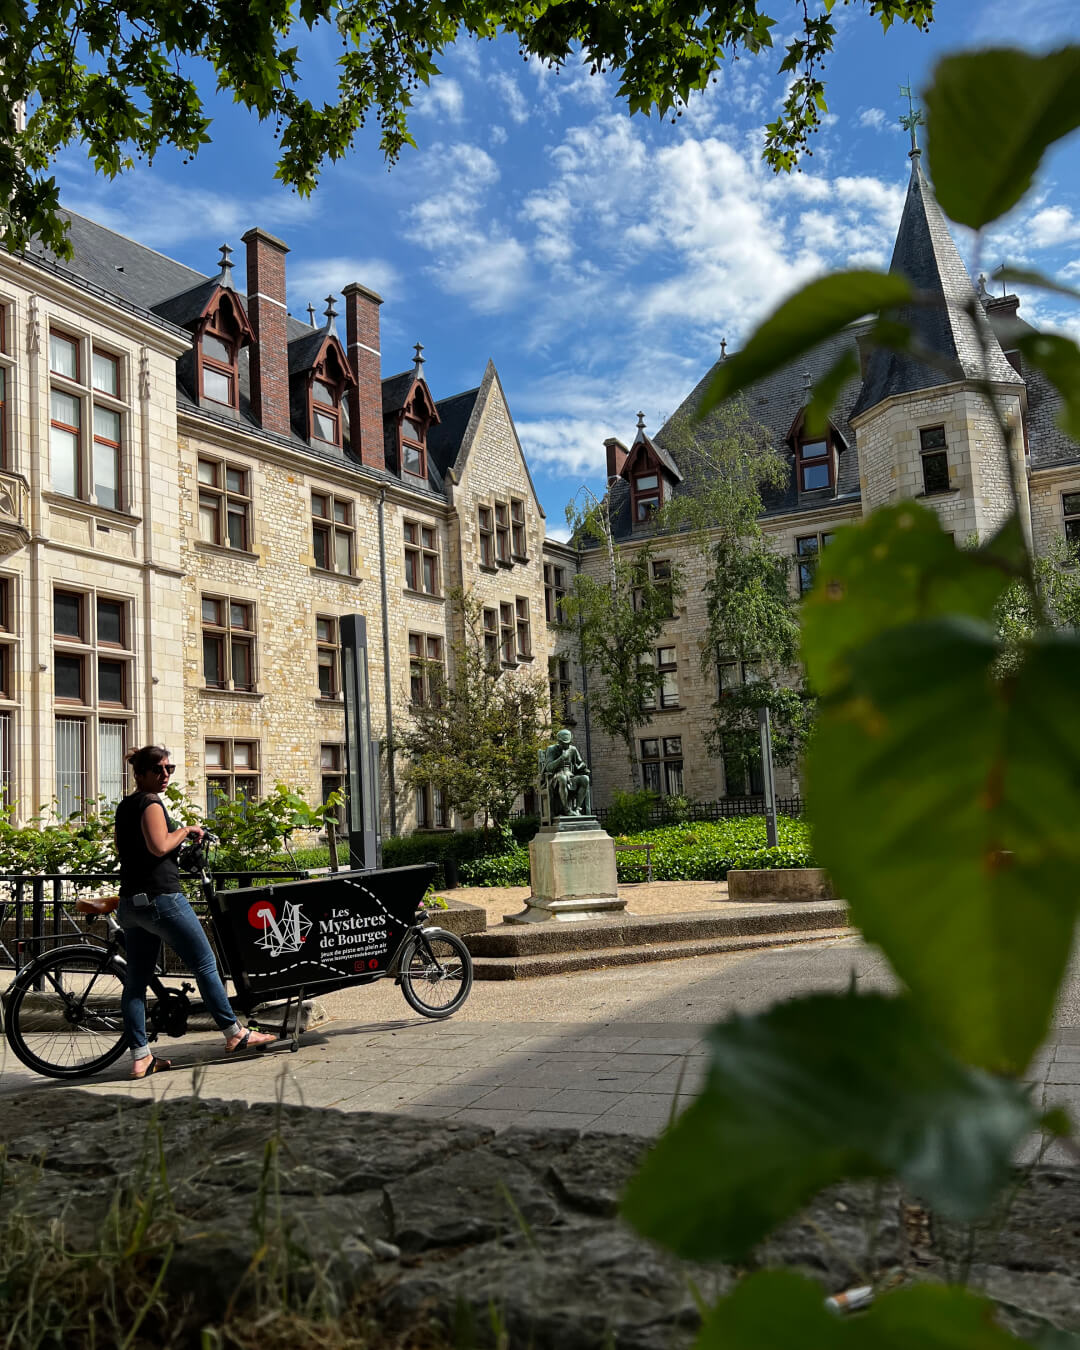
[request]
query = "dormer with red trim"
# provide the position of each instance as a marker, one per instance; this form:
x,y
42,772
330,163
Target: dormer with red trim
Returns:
x,y
815,456
215,316
408,413
651,473
319,381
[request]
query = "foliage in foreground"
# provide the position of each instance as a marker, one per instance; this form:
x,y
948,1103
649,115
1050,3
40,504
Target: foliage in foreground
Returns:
x,y
122,78
700,851
943,780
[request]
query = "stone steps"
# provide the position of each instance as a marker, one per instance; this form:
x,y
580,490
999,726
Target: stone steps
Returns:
x,y
514,952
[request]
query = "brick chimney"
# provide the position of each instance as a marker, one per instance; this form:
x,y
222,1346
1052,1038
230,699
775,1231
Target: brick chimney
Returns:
x,y
616,457
267,312
365,397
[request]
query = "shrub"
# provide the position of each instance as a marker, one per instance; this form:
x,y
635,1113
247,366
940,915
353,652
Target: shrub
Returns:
x,y
629,811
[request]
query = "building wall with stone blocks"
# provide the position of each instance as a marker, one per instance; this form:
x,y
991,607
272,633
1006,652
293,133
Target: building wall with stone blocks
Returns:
x,y
81,691
1047,490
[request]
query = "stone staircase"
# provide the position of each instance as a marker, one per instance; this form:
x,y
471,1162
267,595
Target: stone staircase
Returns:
x,y
516,953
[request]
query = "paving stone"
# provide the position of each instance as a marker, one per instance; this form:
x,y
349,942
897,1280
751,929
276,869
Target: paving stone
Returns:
x,y
590,1103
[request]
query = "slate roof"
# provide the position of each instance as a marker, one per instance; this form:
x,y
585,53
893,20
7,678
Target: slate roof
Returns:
x,y
396,390
927,256
445,436
304,351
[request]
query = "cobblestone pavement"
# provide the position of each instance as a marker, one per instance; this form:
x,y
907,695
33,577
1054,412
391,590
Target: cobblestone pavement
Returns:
x,y
612,1050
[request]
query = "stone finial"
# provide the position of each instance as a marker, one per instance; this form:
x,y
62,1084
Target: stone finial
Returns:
x,y
226,266
723,349
641,421
331,313
311,314
418,358
808,381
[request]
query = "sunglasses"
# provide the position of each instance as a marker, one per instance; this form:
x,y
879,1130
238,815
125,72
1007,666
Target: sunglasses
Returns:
x,y
165,769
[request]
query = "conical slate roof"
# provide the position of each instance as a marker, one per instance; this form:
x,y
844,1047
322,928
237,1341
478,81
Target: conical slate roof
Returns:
x,y
926,255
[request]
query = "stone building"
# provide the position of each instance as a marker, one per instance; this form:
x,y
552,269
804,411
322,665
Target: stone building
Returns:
x,y
195,488
900,429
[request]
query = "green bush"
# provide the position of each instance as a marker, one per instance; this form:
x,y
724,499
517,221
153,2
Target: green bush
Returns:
x,y
461,846
629,811
500,869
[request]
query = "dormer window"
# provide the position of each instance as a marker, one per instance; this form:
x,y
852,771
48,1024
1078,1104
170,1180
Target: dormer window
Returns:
x,y
413,457
648,495
325,412
218,349
815,465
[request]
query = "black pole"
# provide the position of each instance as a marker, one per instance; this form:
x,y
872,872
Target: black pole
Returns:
x,y
768,783
361,758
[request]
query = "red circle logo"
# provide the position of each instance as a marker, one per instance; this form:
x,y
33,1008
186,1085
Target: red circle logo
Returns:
x,y
373,964
259,912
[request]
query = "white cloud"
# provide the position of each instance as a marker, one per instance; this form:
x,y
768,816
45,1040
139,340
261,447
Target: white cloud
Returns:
x,y
443,98
874,118
1026,23
560,533
497,134
310,280
1053,225
517,106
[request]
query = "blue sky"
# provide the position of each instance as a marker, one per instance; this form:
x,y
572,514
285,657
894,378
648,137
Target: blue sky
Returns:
x,y
597,258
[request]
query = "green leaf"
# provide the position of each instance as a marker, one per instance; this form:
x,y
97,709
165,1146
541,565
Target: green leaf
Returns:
x,y
945,805
818,311
1059,360
896,567
812,1091
779,1310
1020,276
984,149
827,392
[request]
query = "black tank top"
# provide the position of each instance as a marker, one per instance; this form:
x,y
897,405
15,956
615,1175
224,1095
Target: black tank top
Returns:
x,y
141,870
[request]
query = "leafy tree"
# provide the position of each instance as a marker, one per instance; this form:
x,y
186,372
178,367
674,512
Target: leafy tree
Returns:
x,y
943,790
119,77
615,619
1055,602
478,736
728,471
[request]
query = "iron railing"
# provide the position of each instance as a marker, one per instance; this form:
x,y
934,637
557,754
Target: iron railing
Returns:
x,y
725,808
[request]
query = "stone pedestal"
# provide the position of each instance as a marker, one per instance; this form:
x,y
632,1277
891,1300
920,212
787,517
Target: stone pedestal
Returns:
x,y
572,865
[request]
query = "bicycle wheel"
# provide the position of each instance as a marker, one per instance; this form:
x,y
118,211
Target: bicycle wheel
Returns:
x,y
436,974
72,1025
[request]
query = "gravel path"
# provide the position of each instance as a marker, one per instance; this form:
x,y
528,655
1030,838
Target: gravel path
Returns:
x,y
657,897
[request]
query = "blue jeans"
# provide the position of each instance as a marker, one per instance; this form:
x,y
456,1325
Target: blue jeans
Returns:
x,y
169,919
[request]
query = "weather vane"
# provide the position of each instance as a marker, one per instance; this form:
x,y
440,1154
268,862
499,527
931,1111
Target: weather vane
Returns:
x,y
914,117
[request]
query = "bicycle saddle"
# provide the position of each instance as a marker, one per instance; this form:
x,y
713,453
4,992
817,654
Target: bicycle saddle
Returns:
x,y
96,904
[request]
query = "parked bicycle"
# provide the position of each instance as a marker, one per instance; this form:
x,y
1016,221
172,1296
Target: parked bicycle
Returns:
x,y
280,941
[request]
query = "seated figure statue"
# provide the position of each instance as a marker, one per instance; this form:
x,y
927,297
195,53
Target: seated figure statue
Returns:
x,y
565,776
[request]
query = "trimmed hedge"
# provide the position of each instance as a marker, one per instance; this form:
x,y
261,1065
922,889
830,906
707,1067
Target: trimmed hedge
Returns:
x,y
704,851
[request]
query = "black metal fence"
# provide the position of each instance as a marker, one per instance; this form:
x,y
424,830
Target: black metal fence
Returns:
x,y
38,911
725,808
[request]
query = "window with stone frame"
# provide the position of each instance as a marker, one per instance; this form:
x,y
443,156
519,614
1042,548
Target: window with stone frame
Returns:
x,y
502,533
554,591
224,503
93,683
733,674
523,627
664,658
232,771
518,535
332,775
662,765
7,389
491,637
427,673
646,494
935,460
1070,509
560,691
431,813
660,575
487,536
7,644
85,388
808,549
814,463
228,641
328,655
743,776
332,533
421,558
507,633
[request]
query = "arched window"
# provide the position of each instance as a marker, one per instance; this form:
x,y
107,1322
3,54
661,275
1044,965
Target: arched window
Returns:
x,y
326,412
414,443
218,349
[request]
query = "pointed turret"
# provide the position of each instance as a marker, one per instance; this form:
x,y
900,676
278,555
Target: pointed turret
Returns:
x,y
927,256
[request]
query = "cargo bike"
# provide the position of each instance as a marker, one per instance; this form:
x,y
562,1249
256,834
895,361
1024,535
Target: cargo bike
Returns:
x,y
277,943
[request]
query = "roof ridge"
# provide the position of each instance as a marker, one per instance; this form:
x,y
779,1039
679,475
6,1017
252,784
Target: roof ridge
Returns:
x,y
205,276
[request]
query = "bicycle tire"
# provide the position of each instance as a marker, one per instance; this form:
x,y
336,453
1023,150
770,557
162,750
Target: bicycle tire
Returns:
x,y
418,972
51,1030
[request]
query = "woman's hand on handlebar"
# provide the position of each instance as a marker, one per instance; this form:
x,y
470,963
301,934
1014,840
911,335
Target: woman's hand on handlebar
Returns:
x,y
195,832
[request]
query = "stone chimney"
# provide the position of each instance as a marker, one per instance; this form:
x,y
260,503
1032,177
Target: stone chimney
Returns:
x,y
616,457
365,396
267,312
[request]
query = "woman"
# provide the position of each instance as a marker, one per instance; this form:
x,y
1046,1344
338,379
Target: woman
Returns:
x,y
153,910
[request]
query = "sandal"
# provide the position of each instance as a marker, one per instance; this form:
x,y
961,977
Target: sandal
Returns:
x,y
245,1041
155,1066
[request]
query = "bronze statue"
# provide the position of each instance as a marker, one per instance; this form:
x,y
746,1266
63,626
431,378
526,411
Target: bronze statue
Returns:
x,y
565,778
